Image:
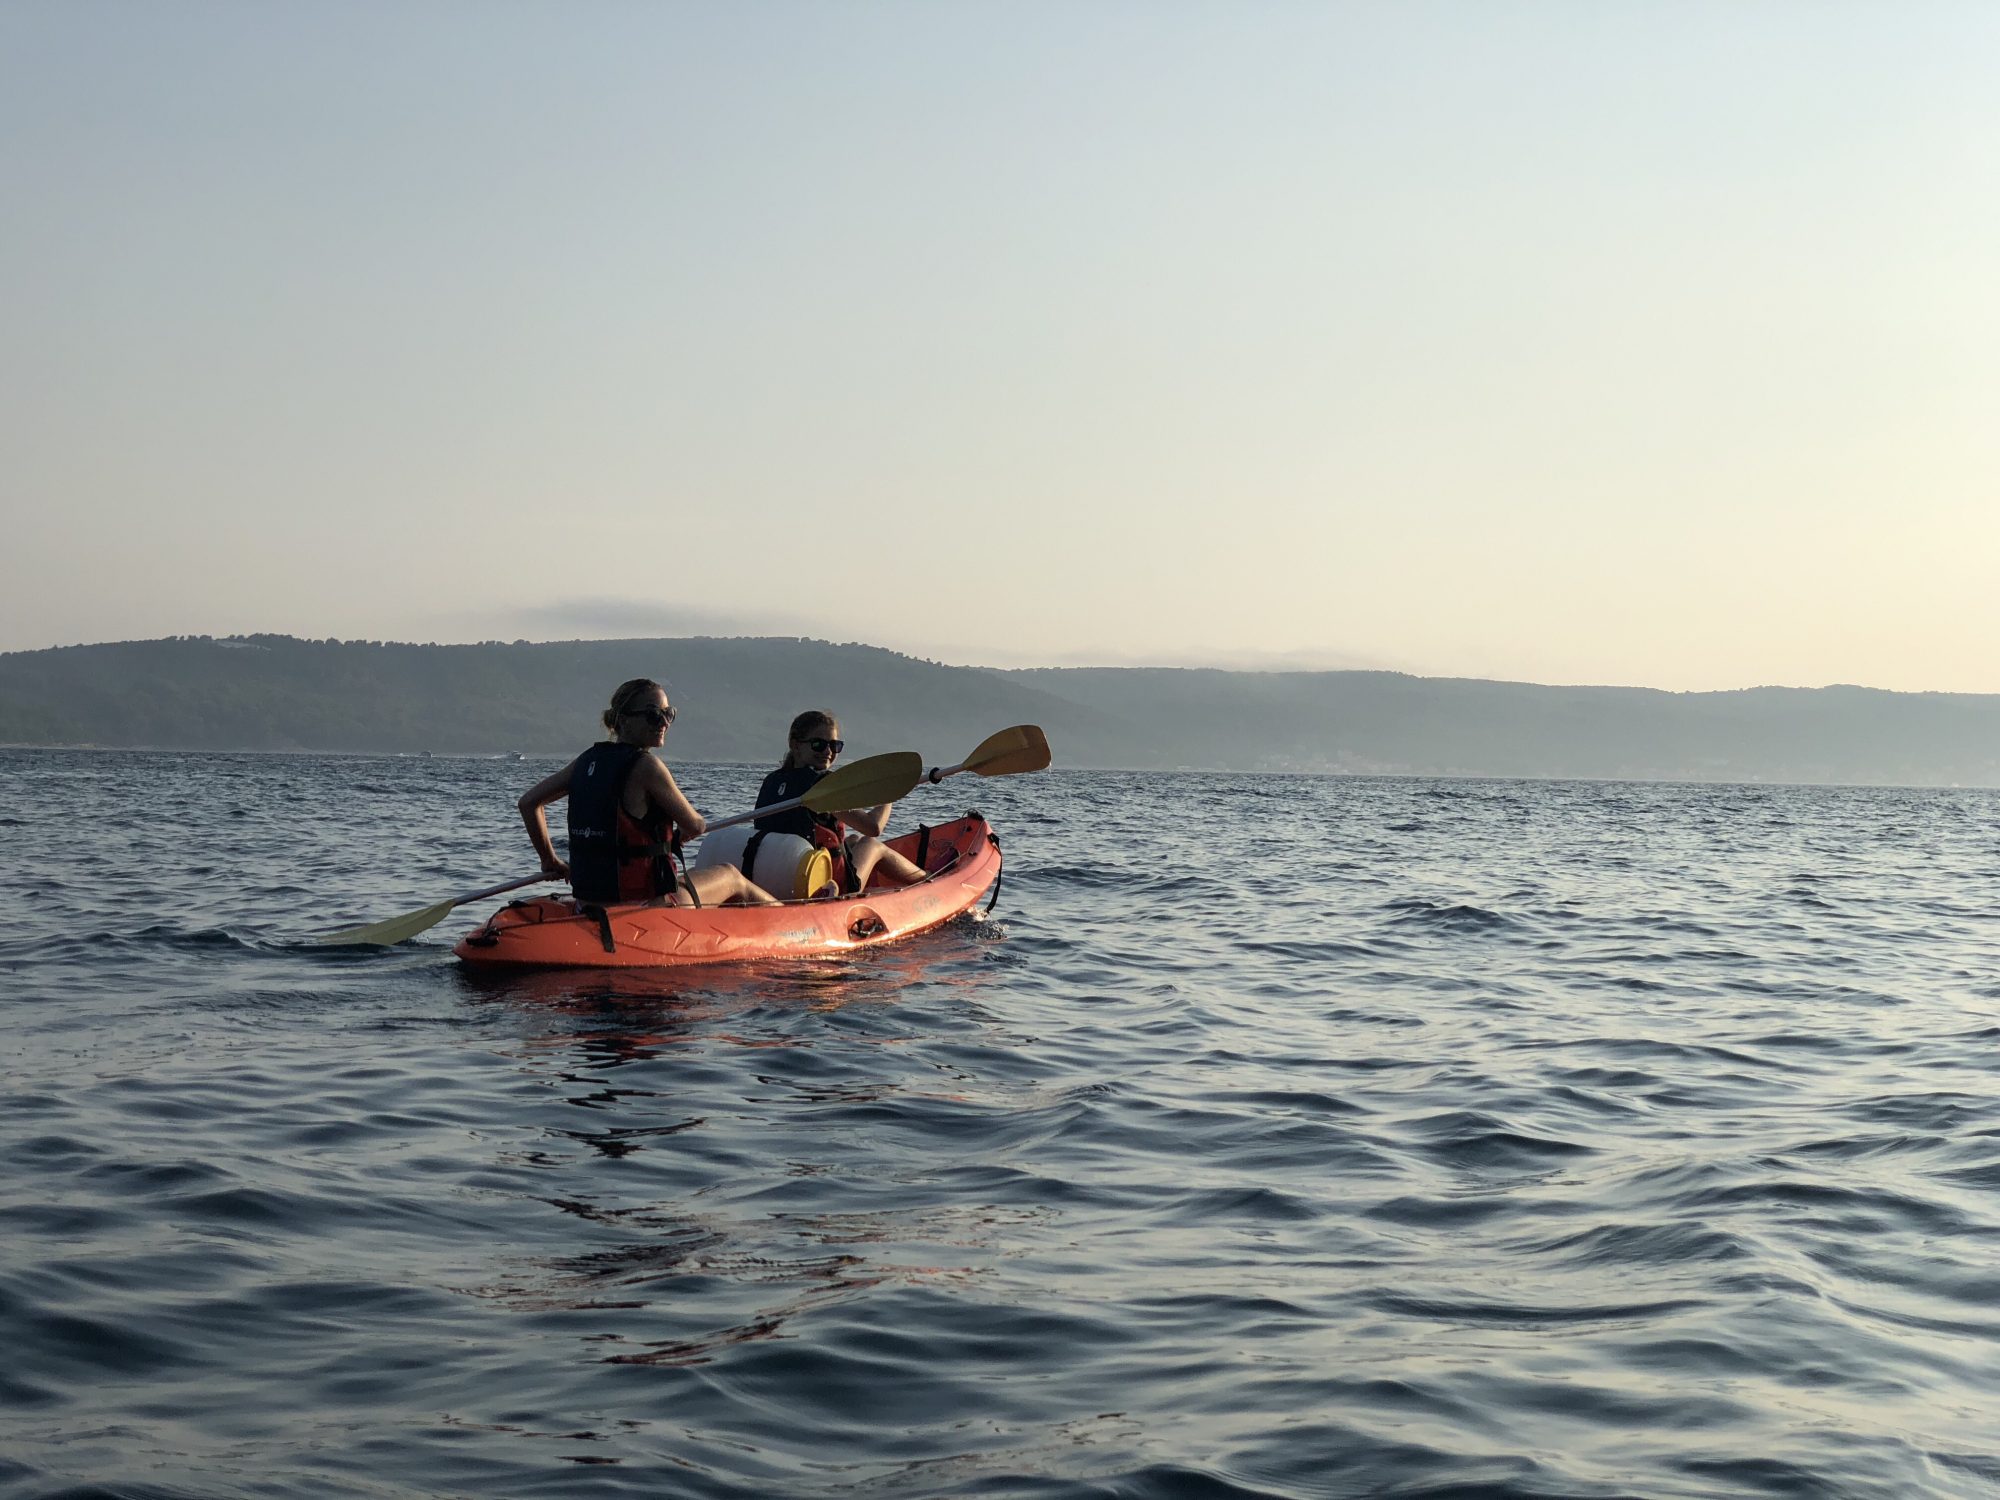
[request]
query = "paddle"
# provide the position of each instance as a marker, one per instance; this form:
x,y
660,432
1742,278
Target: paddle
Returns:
x,y
1008,753
879,778
865,783
402,929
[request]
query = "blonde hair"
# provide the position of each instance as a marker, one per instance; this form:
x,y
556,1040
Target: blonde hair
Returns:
x,y
622,699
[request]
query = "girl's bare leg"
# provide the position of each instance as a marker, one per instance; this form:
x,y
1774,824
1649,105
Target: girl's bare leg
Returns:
x,y
720,883
868,856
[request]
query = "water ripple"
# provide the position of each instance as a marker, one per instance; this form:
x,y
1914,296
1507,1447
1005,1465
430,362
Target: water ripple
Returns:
x,y
1385,1137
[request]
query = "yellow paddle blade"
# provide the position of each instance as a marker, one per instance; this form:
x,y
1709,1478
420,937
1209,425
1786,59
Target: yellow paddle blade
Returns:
x,y
402,929
395,930
1010,752
877,779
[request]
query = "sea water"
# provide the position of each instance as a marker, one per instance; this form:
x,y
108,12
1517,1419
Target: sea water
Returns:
x,y
1272,1137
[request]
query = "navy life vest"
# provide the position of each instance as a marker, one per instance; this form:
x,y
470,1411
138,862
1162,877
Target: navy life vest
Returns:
x,y
823,829
614,856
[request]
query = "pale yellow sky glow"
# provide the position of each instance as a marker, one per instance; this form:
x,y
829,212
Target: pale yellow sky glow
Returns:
x,y
1608,343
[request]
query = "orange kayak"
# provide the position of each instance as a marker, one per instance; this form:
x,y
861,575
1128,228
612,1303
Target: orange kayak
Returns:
x,y
962,858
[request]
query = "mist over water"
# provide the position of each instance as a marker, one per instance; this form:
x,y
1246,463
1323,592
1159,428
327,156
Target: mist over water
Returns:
x,y
1274,1137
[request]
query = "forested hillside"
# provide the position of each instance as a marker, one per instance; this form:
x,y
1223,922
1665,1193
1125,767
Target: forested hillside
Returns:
x,y
736,695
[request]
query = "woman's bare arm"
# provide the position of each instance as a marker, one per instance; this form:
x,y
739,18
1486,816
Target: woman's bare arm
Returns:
x,y
664,793
551,788
868,820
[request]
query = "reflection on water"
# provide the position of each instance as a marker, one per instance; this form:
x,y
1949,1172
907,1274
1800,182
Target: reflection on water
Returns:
x,y
578,1027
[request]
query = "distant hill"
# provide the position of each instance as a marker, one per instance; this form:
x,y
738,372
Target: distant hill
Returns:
x,y
736,695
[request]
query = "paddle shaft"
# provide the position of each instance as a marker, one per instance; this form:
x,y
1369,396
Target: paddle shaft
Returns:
x,y
503,887
866,783
402,929
754,813
760,812
934,775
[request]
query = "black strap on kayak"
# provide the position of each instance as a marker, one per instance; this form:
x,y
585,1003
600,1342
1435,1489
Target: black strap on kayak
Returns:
x,y
603,920
994,900
683,881
750,847
923,847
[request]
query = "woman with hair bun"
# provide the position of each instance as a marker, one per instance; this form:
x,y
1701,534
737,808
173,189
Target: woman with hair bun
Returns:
x,y
627,816
853,837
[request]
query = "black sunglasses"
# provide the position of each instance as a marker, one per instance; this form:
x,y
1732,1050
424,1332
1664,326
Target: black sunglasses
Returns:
x,y
659,718
817,745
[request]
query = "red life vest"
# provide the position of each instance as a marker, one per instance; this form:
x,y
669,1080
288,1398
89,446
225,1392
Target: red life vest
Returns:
x,y
833,840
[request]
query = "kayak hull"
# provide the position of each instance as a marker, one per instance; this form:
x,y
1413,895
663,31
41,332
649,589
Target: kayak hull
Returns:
x,y
962,858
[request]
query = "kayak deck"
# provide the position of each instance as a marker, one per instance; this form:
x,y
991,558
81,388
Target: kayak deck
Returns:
x,y
962,859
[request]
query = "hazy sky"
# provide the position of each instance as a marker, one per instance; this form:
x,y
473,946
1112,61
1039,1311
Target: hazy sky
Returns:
x,y
1608,342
